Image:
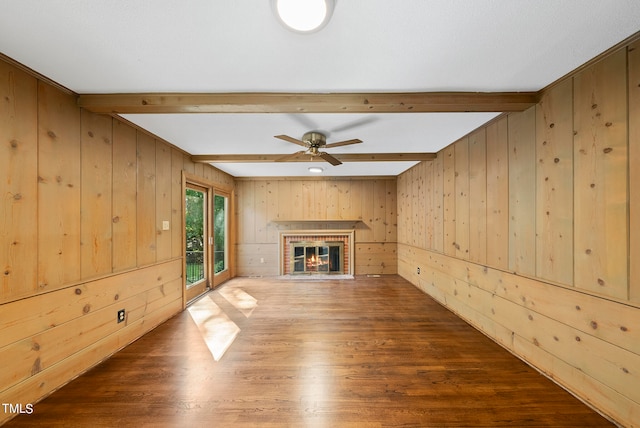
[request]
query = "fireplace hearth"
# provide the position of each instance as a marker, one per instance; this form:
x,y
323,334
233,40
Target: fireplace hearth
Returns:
x,y
316,252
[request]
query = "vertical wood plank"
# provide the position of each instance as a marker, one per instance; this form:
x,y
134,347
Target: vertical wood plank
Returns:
x,y
59,180
320,199
188,165
600,187
416,225
449,201
428,207
403,226
18,182
438,203
331,202
297,200
407,217
478,197
96,194
146,199
260,211
461,179
634,169
379,210
554,184
522,191
177,197
124,197
246,190
498,194
163,200
391,206
272,209
308,196
366,201
285,196
344,200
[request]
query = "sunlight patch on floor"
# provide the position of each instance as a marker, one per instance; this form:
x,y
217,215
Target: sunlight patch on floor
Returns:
x,y
241,300
217,329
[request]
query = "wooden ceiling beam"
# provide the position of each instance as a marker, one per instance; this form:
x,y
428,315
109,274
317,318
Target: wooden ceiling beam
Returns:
x,y
409,102
345,157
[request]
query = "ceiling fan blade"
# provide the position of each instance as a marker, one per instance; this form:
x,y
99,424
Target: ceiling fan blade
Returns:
x,y
292,140
355,123
285,158
343,143
304,120
326,156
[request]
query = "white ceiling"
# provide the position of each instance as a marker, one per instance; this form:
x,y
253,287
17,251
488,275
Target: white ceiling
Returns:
x,y
212,46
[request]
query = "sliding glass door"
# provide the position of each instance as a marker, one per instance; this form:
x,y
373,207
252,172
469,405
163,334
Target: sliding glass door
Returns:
x,y
196,245
220,237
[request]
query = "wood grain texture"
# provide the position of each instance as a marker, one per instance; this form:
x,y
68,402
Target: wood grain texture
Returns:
x,y
600,183
268,206
449,200
581,341
438,203
308,103
522,187
146,200
554,184
42,351
163,201
71,214
478,196
462,199
96,140
559,284
59,178
498,194
365,352
124,218
18,182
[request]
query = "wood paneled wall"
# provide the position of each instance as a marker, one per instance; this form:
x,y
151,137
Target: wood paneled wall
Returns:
x,y
267,206
83,200
539,215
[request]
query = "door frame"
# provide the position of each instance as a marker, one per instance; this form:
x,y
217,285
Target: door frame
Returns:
x,y
212,189
203,286
226,274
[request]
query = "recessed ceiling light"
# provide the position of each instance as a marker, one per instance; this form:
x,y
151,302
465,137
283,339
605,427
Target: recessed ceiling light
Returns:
x,y
316,169
303,16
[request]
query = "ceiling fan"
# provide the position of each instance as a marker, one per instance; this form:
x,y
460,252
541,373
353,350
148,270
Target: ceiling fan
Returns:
x,y
314,141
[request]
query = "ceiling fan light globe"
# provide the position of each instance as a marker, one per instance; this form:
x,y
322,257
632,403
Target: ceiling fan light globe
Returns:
x,y
303,16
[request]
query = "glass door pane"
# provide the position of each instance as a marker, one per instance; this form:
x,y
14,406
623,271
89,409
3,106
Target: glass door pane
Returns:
x,y
195,235
323,259
220,238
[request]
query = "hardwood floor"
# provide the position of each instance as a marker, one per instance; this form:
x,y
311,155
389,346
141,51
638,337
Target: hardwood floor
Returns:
x,y
369,352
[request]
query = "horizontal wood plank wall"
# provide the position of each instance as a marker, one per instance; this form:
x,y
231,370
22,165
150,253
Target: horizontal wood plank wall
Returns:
x,y
84,197
560,226
267,206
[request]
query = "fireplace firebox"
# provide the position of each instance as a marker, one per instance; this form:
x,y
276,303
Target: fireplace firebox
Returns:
x,y
317,257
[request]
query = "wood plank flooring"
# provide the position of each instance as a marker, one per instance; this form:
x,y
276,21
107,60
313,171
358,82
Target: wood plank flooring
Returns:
x,y
368,352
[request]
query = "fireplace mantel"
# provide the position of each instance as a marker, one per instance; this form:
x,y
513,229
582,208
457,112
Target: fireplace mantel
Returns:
x,y
323,220
348,235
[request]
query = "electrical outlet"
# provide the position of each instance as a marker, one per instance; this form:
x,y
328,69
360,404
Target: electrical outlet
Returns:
x,y
418,271
165,225
121,316
261,259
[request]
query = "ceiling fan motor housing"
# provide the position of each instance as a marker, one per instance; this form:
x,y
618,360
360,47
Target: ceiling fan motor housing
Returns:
x,y
315,139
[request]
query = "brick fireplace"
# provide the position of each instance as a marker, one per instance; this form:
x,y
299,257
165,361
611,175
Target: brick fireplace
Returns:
x,y
316,252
